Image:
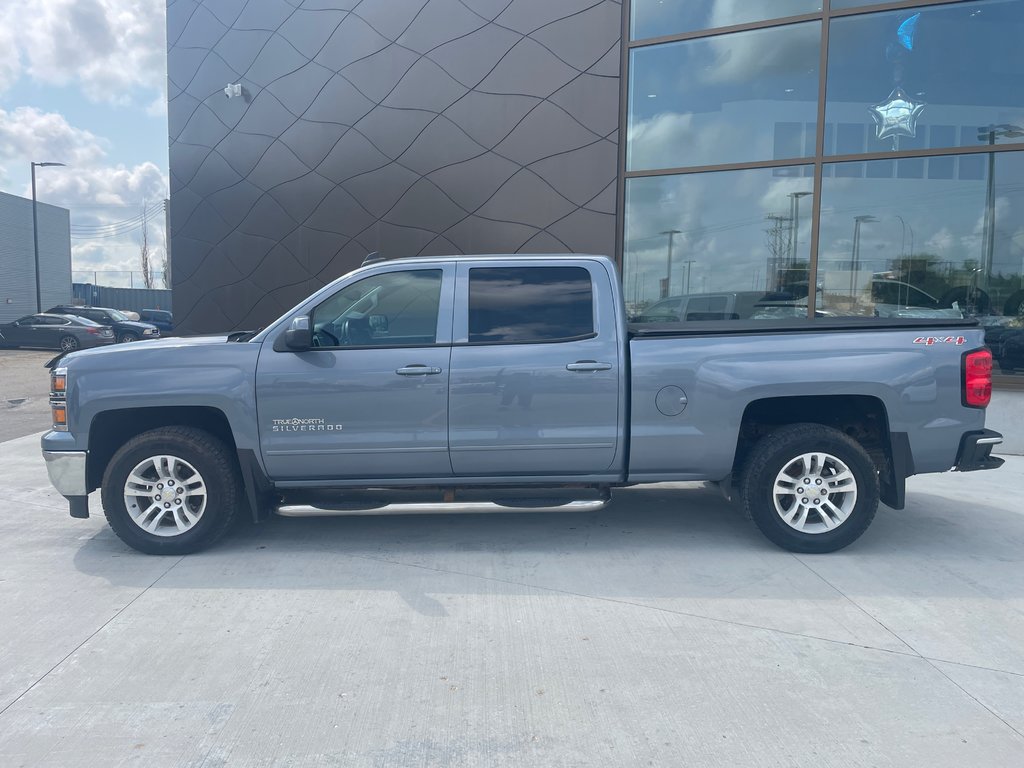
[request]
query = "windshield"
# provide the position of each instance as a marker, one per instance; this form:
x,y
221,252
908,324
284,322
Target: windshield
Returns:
x,y
118,316
84,321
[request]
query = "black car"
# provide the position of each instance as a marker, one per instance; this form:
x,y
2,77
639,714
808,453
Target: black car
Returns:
x,y
1005,337
64,332
1011,356
161,318
125,329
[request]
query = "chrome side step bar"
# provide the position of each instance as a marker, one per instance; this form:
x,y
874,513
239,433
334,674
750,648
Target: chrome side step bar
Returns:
x,y
441,508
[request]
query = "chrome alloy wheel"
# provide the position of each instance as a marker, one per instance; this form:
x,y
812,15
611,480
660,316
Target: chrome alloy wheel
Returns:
x,y
815,493
165,495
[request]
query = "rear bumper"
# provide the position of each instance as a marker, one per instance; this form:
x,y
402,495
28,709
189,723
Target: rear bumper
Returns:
x,y
976,451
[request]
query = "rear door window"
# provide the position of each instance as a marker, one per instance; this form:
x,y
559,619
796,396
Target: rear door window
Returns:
x,y
515,305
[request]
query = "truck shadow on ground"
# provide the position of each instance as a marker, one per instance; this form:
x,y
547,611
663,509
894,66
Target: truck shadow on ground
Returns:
x,y
651,543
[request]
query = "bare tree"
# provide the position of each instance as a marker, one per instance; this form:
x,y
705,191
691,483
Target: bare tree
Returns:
x,y
167,248
147,266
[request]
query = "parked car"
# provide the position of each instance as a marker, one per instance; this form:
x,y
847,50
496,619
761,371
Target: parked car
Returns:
x,y
1005,337
50,331
125,329
506,383
161,318
735,305
1011,358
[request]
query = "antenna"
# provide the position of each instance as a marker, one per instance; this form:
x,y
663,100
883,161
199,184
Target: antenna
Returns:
x,y
372,258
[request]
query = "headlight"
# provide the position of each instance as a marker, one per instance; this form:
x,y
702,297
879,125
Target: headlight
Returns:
x,y
58,398
151,332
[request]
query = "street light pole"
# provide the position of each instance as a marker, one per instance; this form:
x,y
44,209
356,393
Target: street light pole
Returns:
x,y
689,267
795,196
35,234
668,270
855,266
991,133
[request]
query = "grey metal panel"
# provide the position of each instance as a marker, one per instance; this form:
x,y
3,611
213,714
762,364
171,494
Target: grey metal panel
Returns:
x,y
519,409
399,126
17,262
722,375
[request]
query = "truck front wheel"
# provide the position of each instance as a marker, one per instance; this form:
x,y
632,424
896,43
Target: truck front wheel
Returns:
x,y
809,488
171,491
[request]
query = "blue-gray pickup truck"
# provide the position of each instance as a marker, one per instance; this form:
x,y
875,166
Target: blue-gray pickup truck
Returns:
x,y
485,383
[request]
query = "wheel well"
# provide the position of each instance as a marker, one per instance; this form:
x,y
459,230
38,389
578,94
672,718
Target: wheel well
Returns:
x,y
860,416
112,429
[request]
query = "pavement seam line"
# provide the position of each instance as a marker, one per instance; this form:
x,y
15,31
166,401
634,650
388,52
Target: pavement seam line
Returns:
x,y
916,652
857,605
99,629
691,615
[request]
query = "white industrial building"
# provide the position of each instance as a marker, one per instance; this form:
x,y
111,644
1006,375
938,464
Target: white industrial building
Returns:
x,y
17,259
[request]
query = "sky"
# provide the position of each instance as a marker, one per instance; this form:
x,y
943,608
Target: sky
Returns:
x,y
83,82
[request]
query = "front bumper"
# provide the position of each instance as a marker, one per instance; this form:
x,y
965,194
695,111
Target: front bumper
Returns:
x,y
976,451
67,474
67,471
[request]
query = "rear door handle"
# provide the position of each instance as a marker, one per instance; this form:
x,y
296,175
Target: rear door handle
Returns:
x,y
418,370
588,365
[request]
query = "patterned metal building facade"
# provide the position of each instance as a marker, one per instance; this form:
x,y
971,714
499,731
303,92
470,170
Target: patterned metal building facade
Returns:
x,y
407,127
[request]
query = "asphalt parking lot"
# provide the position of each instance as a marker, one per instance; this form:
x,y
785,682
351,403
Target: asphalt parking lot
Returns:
x,y
663,631
24,392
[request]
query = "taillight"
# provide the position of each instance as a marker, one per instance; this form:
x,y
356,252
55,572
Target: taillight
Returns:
x,y
93,331
977,377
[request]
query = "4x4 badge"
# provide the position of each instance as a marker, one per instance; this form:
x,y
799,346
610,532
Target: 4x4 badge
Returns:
x,y
930,340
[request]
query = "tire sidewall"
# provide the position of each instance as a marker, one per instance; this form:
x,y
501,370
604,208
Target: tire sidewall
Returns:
x,y
1014,305
127,338
759,483
220,495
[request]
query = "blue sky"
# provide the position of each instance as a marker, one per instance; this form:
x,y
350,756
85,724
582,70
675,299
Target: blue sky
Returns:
x,y
83,82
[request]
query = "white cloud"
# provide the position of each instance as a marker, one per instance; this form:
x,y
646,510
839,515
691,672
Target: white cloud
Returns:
x,y
10,58
97,193
789,51
702,136
27,134
109,48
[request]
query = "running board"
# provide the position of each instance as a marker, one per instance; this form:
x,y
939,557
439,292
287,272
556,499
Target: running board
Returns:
x,y
440,508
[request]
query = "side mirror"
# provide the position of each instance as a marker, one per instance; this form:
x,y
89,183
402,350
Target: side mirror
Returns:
x,y
299,336
378,324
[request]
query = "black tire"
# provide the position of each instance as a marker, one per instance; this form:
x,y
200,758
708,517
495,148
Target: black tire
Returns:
x,y
1014,306
217,469
127,338
68,344
779,451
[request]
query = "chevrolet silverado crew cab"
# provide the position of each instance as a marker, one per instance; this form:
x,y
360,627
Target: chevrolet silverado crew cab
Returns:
x,y
484,383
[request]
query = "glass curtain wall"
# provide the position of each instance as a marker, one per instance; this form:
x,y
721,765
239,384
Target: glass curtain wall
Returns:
x,y
878,157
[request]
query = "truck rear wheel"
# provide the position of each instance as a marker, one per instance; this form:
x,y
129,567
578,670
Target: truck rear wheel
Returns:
x,y
171,491
810,488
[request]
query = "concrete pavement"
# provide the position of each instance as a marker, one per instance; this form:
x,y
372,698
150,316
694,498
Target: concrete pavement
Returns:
x,y
24,392
664,631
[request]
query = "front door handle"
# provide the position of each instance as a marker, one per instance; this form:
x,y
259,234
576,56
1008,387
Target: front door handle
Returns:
x,y
418,370
588,365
